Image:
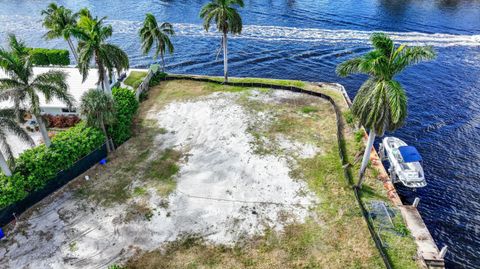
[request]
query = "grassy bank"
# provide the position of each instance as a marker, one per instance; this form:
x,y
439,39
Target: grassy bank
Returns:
x,y
135,78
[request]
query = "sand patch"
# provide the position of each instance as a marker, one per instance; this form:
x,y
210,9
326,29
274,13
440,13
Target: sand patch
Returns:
x,y
224,193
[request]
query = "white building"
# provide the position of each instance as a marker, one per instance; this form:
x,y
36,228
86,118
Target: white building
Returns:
x,y
76,88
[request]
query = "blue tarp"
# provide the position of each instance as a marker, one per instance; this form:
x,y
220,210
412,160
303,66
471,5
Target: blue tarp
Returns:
x,y
410,154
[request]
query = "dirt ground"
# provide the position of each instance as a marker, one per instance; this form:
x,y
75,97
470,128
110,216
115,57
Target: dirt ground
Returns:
x,y
220,165
214,177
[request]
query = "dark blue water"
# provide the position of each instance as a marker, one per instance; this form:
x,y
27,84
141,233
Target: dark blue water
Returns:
x,y
305,40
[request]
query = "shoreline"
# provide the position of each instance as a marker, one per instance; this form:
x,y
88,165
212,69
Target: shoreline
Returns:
x,y
427,249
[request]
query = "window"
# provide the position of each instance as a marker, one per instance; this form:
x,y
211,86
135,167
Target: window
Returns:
x,y
66,110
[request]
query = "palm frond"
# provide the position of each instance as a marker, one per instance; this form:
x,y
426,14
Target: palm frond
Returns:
x,y
382,43
352,66
98,108
8,124
53,84
397,101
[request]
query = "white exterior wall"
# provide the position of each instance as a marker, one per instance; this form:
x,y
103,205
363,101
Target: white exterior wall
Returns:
x,y
56,111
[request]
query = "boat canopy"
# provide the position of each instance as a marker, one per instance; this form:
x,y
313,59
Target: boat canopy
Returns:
x,y
410,154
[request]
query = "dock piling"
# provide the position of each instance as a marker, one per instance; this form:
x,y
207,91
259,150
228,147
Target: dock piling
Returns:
x,y
443,252
416,201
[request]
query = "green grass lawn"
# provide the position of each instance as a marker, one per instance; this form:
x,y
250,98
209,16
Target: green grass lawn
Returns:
x,y
135,78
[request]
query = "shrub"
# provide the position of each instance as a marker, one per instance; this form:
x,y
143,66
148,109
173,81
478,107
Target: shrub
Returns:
x,y
126,106
349,118
40,164
62,121
38,56
155,80
41,56
58,57
12,189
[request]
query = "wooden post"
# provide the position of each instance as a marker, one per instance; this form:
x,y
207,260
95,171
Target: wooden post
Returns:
x,y
416,201
443,252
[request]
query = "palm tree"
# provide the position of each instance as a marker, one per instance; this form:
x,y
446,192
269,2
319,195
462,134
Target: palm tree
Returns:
x,y
60,21
227,19
92,35
381,102
9,60
153,34
23,87
99,110
9,126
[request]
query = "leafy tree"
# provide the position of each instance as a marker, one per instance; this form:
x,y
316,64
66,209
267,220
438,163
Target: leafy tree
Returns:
x,y
227,20
92,34
9,126
23,87
10,60
99,111
381,102
152,34
60,22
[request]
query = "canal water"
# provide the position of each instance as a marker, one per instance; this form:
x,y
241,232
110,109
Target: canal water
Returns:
x,y
306,39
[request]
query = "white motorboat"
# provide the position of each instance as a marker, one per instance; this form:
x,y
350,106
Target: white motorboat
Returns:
x,y
405,162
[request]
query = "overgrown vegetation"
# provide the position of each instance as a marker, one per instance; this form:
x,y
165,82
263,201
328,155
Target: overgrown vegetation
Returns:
x,y
126,107
157,77
36,166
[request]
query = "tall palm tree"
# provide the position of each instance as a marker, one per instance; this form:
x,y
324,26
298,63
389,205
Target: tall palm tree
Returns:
x,y
381,102
99,110
92,46
11,59
9,126
227,20
153,34
60,21
23,86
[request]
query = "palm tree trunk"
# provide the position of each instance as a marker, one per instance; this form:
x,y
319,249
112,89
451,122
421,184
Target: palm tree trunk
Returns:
x,y
72,48
112,145
225,57
163,62
102,76
18,111
107,86
43,130
3,164
107,141
366,156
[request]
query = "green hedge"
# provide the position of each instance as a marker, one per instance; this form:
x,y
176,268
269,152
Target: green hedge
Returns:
x,y
126,106
36,166
40,164
41,56
155,80
12,189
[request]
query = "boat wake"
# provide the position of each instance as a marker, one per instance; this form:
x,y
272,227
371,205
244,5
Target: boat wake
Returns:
x,y
21,24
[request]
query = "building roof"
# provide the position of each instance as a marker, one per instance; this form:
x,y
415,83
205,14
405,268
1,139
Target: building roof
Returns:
x,y
74,80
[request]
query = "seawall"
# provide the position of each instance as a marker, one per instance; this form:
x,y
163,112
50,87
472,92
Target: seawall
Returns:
x,y
427,249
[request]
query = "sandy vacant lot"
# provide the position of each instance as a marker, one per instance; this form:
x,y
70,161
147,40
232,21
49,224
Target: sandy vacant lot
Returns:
x,y
214,177
225,191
